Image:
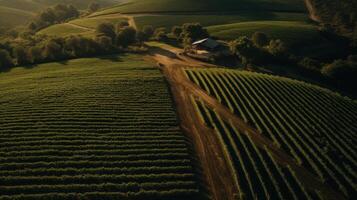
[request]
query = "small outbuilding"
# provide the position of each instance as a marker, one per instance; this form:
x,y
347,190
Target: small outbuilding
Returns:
x,y
207,44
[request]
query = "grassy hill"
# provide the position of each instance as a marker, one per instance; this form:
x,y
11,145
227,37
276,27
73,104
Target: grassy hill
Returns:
x,y
18,17
94,128
312,126
21,11
82,26
135,6
169,21
292,32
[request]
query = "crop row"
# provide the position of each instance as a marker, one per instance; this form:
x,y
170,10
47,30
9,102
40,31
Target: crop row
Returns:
x,y
297,117
257,173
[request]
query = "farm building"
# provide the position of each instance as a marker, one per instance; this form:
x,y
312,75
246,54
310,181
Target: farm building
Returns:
x,y
207,44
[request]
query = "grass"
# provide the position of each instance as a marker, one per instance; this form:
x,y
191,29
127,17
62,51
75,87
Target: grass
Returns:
x,y
10,17
169,21
102,128
136,6
291,32
94,22
65,30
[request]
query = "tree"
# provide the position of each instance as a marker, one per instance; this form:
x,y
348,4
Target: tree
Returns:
x,y
121,25
35,54
148,31
342,71
141,37
277,48
245,49
160,34
52,51
106,29
93,7
20,55
5,60
260,39
195,31
105,43
126,37
176,31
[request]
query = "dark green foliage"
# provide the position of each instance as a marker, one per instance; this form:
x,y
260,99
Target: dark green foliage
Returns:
x,y
20,55
340,14
194,31
176,31
148,31
105,42
260,39
160,34
93,7
248,52
56,14
5,60
106,29
126,37
343,72
310,64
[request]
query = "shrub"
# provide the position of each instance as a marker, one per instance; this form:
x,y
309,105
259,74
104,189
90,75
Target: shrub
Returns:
x,y
310,64
260,39
195,31
126,37
342,71
106,29
148,31
5,60
20,55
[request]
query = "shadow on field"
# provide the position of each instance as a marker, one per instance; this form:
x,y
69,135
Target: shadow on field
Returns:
x,y
157,50
113,58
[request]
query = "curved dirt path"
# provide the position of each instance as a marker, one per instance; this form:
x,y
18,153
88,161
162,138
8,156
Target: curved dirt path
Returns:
x,y
79,26
219,176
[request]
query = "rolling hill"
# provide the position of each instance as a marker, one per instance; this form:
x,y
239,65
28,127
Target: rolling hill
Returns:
x,y
92,128
291,32
22,11
286,137
139,6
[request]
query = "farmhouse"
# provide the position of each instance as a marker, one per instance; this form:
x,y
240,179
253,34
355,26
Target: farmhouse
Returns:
x,y
207,44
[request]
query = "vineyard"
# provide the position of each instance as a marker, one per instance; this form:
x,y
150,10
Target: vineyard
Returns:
x,y
315,127
97,128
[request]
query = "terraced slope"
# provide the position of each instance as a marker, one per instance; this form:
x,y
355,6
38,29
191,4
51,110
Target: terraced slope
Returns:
x,y
97,128
313,126
139,6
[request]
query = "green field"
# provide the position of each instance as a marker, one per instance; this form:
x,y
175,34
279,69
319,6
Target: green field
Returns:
x,y
93,128
10,17
65,30
82,26
94,22
292,32
20,12
312,125
169,21
139,6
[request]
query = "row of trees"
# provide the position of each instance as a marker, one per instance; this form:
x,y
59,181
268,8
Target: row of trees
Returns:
x,y
53,15
259,49
30,48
